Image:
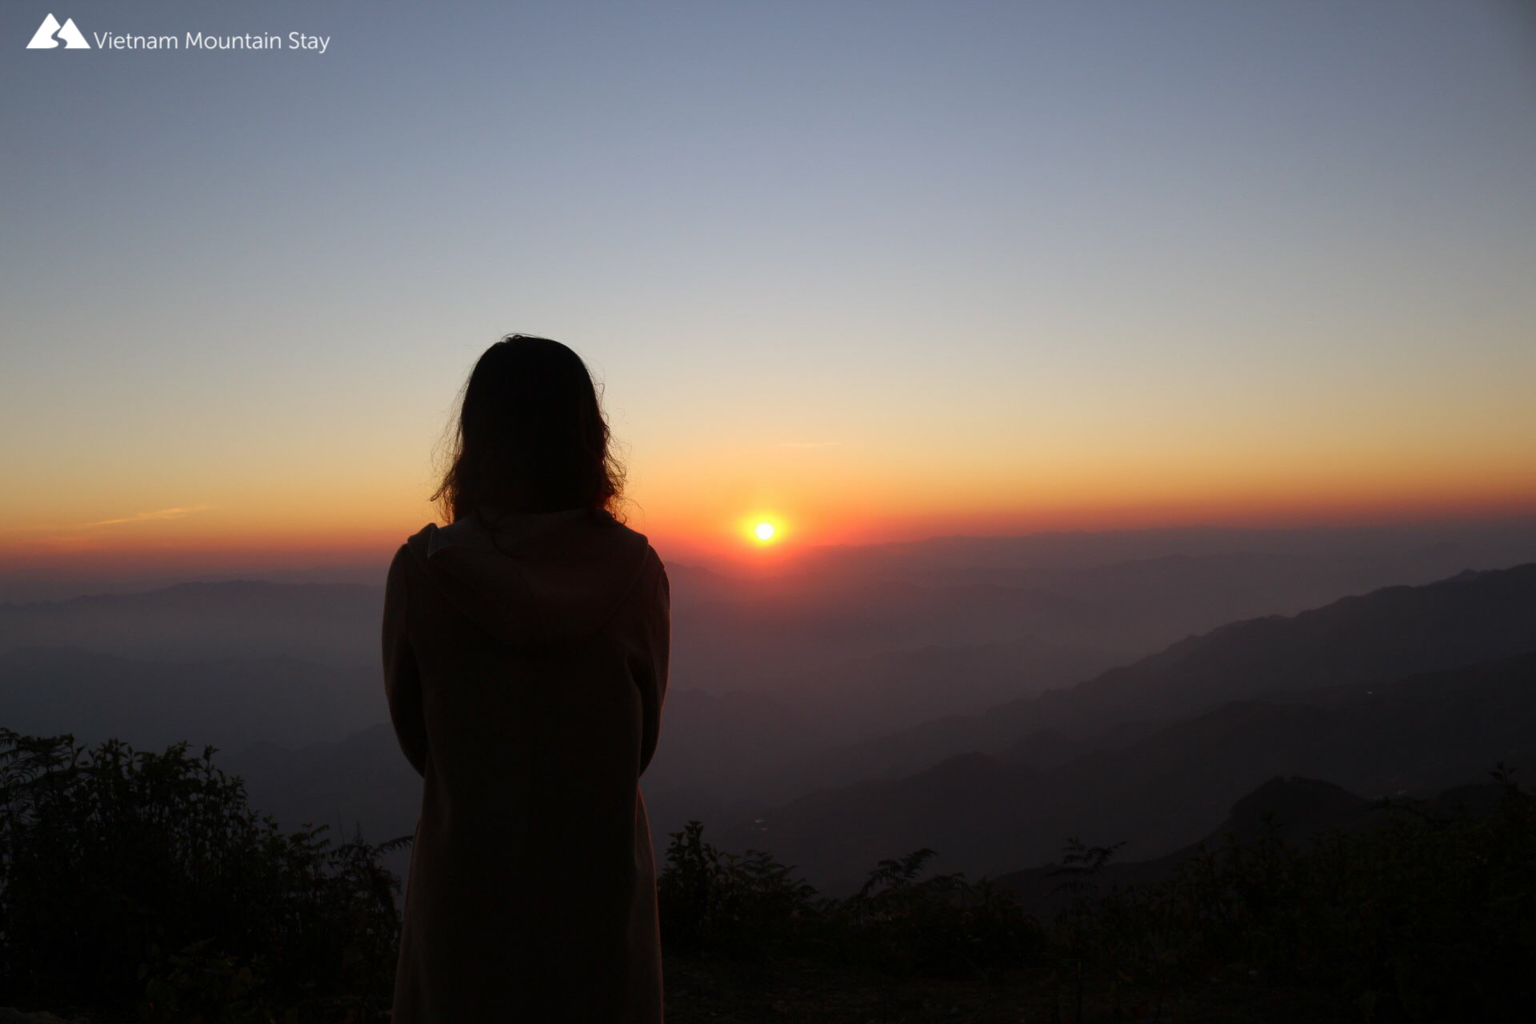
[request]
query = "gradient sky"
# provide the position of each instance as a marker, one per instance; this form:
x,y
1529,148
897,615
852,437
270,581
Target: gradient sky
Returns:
x,y
874,269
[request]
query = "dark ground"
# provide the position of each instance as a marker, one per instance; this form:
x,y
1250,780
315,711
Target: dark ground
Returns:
x,y
721,992
707,991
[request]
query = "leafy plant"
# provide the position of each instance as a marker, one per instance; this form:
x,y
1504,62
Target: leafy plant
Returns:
x,y
109,855
738,904
1430,916
901,921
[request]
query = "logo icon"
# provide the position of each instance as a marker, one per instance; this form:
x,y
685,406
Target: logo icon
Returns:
x,y
44,38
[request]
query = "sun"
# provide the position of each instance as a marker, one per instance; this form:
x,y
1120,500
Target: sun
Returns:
x,y
764,529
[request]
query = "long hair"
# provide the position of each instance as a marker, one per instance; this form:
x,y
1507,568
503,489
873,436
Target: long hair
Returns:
x,y
530,436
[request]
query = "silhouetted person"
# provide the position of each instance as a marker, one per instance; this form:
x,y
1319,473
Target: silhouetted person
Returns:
x,y
525,659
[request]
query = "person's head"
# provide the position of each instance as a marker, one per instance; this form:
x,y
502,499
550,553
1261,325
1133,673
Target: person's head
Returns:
x,y
530,437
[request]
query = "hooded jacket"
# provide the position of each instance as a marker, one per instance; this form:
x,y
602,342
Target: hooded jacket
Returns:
x,y
525,665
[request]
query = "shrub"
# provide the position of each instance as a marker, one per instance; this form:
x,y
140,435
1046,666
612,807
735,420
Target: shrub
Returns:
x,y
1431,916
146,877
899,922
741,905
939,926
1428,917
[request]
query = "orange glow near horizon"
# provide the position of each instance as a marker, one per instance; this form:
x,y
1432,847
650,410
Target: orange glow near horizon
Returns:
x,y
691,516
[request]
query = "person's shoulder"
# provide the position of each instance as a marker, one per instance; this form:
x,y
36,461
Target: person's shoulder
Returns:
x,y
421,538
633,538
617,531
650,570
414,548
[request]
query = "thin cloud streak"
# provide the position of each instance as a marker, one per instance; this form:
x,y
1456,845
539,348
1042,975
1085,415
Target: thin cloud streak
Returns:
x,y
138,517
144,517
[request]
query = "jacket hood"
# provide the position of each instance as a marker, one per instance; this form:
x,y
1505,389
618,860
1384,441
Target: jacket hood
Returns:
x,y
534,579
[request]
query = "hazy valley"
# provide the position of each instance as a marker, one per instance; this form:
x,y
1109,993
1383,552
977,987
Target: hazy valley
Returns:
x,y
1004,767
986,697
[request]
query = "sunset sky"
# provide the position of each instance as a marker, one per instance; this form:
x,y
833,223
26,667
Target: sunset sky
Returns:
x,y
865,270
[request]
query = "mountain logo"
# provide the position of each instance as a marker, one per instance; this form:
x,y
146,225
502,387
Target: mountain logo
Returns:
x,y
50,33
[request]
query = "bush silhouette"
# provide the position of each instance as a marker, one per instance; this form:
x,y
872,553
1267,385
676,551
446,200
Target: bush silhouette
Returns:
x,y
750,906
1431,916
741,905
143,882
145,878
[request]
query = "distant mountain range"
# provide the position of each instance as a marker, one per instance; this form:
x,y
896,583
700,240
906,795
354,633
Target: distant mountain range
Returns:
x,y
1050,609
228,702
1405,689
333,624
1388,633
1105,595
361,782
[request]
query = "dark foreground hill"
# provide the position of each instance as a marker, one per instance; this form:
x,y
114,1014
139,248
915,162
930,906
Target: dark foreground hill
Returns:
x,y
1293,811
